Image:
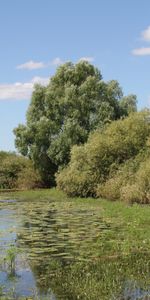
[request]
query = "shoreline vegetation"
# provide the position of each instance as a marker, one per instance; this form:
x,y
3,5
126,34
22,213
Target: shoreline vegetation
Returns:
x,y
84,136
83,142
112,258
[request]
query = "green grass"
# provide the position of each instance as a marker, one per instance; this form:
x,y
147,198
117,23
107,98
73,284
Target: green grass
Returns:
x,y
129,224
118,254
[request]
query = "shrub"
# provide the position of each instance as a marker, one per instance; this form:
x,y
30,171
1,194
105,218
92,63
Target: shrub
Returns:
x,y
111,188
76,180
28,178
17,172
105,152
140,190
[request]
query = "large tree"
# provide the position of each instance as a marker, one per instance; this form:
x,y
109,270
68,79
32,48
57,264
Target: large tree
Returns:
x,y
74,103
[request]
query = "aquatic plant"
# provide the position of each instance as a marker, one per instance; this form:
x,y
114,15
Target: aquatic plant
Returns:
x,y
10,259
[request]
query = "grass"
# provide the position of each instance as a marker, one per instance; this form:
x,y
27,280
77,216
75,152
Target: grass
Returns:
x,y
117,255
129,224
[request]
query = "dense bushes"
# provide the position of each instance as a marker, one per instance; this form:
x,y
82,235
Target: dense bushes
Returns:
x,y
121,184
17,172
110,161
139,190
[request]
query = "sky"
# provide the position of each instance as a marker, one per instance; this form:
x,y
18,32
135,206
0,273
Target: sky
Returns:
x,y
36,36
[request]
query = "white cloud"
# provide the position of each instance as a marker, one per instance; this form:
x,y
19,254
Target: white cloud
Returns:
x,y
146,34
56,61
31,65
19,90
141,51
88,58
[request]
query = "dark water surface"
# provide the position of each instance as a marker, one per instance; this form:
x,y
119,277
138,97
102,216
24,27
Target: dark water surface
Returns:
x,y
58,252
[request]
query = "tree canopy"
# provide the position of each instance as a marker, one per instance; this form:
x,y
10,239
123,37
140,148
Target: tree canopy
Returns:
x,y
74,103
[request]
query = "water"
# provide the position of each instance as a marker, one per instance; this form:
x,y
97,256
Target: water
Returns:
x,y
59,254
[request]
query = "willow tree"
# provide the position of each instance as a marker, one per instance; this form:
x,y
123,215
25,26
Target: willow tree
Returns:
x,y
75,102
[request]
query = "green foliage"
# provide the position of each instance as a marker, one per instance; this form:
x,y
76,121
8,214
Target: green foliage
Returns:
x,y
77,179
29,178
128,104
10,258
139,190
17,172
105,152
10,166
61,115
111,188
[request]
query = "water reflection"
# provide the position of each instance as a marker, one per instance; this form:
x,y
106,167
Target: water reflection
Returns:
x,y
61,251
133,291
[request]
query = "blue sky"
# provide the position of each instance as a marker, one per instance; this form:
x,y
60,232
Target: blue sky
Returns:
x,y
36,36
